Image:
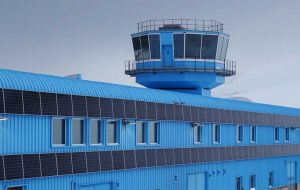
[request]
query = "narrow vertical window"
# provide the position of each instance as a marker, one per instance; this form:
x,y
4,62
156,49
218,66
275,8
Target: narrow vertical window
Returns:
x,y
239,133
154,46
198,134
140,132
239,183
178,46
153,132
137,48
287,134
77,131
271,179
145,47
216,133
253,134
96,131
112,132
252,182
58,131
276,134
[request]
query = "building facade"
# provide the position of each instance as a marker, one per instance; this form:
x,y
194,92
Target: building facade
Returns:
x,y
62,133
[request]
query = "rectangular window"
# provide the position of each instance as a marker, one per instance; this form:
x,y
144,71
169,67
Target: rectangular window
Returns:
x,y
239,133
78,131
112,132
219,48
271,179
15,188
145,47
224,49
252,182
287,134
178,46
216,133
253,134
58,131
276,134
96,131
239,183
209,47
137,48
140,132
198,134
153,132
154,46
192,46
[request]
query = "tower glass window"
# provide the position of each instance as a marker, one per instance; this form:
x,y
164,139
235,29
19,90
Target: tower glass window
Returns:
x,y
153,132
154,46
219,48
216,133
145,47
96,131
276,134
112,132
287,134
239,133
198,134
224,48
209,46
192,46
253,134
78,132
252,182
137,48
178,46
140,132
59,131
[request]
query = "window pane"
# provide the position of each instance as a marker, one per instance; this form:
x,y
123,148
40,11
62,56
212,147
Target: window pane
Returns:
x,y
276,133
178,46
239,183
154,46
95,131
252,181
137,48
209,47
15,188
224,49
192,46
153,132
240,133
271,176
111,132
287,134
59,131
78,131
253,133
219,48
145,47
140,132
216,131
198,134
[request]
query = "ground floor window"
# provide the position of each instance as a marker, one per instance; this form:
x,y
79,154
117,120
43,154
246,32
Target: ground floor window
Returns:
x,y
252,181
16,188
271,179
239,183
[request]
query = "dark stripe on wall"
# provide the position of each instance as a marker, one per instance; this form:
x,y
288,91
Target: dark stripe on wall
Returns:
x,y
25,102
54,164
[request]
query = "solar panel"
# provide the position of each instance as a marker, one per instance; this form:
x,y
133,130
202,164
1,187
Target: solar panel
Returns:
x,y
240,116
31,165
246,118
79,105
216,154
106,160
64,105
178,112
129,156
32,103
194,114
216,115
93,106
194,155
161,111
235,118
141,110
202,155
170,159
228,152
222,153
1,169
141,158
118,108
246,152
1,101
256,119
130,111
186,155
13,167
48,164
106,107
118,160
202,114
209,154
64,163
223,118
235,153
209,115
170,112
240,152
186,113
93,161
48,103
229,118
151,157
178,156
151,110
79,162
13,101
160,157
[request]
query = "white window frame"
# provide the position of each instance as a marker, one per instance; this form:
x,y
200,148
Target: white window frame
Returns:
x,y
200,127
276,140
157,133
66,132
285,134
117,134
84,132
252,135
214,134
101,132
145,127
238,140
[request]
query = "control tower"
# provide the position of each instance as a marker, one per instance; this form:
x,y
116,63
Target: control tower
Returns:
x,y
184,55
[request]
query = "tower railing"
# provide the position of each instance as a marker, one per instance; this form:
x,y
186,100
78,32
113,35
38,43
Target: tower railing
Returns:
x,y
226,68
182,24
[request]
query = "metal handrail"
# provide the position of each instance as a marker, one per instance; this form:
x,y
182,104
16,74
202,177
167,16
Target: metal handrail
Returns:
x,y
132,68
186,24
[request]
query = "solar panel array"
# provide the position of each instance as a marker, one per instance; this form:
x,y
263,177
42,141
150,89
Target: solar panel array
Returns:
x,y
39,103
56,164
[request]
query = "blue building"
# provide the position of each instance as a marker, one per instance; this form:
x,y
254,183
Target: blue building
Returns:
x,y
66,133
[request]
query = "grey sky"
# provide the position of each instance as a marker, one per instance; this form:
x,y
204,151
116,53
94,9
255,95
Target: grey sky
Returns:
x,y
93,38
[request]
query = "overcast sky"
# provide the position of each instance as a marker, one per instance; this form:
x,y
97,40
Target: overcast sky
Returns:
x,y
93,38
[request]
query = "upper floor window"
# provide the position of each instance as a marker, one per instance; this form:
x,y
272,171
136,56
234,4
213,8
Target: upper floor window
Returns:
x,y
77,131
58,131
16,188
141,132
239,183
287,134
216,133
145,47
192,46
239,133
276,134
153,132
253,134
271,179
198,134
252,182
154,46
96,132
112,132
178,40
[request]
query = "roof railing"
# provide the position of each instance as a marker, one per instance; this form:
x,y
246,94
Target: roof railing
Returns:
x,y
180,24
